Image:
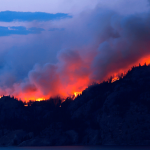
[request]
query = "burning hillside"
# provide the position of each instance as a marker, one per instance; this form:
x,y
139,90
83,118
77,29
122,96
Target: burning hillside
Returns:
x,y
93,46
105,114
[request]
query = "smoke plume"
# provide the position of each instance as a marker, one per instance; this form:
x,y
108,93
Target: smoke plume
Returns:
x,y
91,47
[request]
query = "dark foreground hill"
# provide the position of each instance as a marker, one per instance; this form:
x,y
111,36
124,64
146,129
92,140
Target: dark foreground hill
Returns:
x,y
105,114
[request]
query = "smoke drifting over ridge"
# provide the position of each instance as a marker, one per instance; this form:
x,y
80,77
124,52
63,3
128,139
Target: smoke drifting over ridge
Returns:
x,y
93,46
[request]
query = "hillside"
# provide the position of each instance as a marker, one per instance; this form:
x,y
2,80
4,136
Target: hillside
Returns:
x,y
105,114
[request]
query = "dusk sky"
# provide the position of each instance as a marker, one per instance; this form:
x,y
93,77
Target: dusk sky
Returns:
x,y
59,47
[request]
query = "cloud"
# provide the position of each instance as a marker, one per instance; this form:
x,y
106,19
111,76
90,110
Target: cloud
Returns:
x,y
10,16
20,30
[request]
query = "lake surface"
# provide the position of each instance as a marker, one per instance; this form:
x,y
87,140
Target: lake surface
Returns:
x,y
79,148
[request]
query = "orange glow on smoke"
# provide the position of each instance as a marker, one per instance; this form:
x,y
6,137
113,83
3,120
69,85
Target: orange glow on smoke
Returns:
x,y
64,91
76,83
115,75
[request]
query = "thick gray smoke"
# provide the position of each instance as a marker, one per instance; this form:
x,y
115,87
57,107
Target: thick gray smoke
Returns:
x,y
89,47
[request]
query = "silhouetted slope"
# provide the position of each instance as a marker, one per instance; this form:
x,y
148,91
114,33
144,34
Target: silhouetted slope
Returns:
x,y
105,114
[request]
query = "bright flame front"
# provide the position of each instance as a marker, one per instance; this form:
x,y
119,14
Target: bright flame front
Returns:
x,y
77,94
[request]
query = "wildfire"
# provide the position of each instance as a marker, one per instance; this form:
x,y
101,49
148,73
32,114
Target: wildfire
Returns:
x,y
78,85
77,94
117,77
114,79
40,99
141,62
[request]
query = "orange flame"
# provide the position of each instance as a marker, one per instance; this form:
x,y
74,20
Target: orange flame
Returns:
x,y
40,99
77,94
114,79
141,62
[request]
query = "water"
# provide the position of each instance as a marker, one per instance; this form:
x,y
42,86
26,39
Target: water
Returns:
x,y
79,148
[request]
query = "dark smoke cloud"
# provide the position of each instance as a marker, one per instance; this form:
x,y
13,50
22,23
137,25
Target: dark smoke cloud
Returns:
x,y
92,46
131,44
